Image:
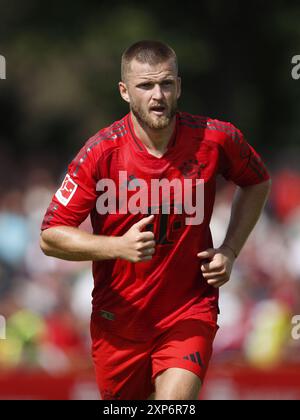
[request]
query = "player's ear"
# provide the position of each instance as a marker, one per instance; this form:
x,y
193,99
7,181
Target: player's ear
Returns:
x,y
178,87
124,91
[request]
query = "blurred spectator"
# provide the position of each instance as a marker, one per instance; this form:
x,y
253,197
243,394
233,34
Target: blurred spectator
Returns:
x,y
286,193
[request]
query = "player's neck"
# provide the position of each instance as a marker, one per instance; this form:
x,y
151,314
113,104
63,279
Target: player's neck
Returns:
x,y
156,141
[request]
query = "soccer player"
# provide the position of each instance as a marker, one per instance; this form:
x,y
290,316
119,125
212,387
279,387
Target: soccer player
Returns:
x,y
156,273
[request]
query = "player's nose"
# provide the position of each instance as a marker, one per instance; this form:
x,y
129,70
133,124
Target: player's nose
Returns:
x,y
157,92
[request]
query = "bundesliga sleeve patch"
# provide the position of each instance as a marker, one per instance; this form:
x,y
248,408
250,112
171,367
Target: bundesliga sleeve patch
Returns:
x,y
66,191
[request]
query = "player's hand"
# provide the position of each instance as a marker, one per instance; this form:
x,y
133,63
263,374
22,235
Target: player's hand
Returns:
x,y
218,265
137,245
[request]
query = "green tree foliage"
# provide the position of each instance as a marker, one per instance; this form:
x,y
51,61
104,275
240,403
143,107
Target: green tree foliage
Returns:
x,y
63,65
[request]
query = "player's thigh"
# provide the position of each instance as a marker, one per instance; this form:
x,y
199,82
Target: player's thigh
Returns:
x,y
177,384
182,355
123,368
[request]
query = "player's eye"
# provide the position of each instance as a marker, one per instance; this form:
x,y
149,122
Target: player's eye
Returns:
x,y
145,86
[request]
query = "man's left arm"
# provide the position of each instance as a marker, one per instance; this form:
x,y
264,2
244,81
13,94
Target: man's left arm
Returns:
x,y
247,206
241,164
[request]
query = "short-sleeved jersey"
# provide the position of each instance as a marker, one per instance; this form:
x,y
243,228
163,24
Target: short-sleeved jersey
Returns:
x,y
138,300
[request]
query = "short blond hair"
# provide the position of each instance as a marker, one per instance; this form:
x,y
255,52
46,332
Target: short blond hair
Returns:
x,y
151,52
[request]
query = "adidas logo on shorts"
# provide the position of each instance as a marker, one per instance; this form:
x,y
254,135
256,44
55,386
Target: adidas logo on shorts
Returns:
x,y
195,358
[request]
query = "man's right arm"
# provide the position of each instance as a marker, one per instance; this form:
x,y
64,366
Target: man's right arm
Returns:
x,y
72,203
73,244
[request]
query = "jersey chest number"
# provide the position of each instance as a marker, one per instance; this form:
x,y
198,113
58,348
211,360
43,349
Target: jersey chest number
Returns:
x,y
167,227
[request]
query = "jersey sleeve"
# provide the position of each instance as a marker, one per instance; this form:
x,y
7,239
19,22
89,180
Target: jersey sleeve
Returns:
x,y
76,197
241,163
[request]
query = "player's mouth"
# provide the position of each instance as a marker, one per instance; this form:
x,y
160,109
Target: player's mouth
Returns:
x,y
158,109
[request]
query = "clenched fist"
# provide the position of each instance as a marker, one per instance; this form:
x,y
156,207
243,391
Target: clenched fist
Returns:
x,y
218,268
136,245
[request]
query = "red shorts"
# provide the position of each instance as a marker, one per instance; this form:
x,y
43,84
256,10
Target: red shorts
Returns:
x,y
126,369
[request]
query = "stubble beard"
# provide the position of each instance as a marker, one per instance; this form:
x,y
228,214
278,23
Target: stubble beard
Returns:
x,y
150,121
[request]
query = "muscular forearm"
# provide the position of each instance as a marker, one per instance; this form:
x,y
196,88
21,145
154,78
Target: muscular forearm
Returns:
x,y
73,244
247,206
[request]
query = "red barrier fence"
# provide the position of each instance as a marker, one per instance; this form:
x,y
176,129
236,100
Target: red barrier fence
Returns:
x,y
223,382
246,383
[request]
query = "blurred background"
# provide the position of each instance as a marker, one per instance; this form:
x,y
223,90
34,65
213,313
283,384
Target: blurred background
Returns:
x,y
63,66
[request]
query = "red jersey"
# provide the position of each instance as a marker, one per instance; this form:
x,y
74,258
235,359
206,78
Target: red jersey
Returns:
x,y
139,300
